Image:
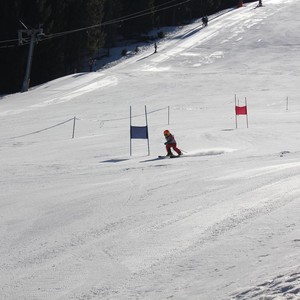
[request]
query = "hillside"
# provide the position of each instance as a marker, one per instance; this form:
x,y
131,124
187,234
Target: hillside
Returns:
x,y
82,219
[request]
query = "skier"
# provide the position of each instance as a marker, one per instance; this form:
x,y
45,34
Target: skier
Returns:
x,y
92,64
204,21
171,143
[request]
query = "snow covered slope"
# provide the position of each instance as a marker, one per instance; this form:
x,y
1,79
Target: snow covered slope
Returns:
x,y
81,219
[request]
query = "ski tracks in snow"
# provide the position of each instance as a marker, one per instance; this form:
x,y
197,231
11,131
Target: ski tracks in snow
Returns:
x,y
285,286
60,94
171,241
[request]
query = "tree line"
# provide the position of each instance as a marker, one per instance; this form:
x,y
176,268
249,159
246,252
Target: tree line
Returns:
x,y
77,29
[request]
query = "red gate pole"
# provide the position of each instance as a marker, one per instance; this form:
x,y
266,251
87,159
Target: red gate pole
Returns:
x,y
246,112
235,111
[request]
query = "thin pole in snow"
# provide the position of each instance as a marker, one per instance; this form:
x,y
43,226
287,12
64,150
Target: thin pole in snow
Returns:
x,y
235,111
247,112
130,134
73,134
147,130
287,103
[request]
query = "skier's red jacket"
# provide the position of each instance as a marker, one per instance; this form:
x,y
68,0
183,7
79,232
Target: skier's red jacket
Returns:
x,y
170,139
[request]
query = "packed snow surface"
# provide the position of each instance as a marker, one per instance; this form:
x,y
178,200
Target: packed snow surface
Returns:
x,y
82,219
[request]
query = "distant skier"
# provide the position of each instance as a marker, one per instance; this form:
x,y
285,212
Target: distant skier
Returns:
x,y
155,48
92,64
204,21
171,143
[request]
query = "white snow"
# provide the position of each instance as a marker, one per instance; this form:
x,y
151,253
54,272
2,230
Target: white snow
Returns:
x,y
82,219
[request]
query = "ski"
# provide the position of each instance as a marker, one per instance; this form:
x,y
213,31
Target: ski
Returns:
x,y
168,156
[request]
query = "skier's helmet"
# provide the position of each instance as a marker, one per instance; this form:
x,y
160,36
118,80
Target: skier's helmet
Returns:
x,y
167,132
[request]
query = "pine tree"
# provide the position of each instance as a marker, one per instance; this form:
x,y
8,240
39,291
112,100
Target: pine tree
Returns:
x,y
84,43
12,57
112,12
141,24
